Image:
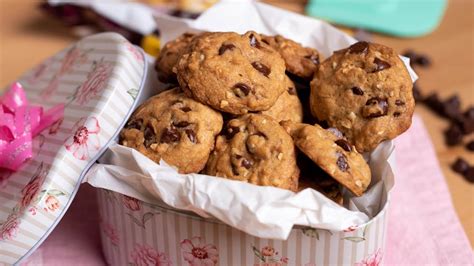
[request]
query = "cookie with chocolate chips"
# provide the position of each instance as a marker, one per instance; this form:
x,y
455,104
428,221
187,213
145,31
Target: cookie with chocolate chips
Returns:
x,y
288,106
300,61
333,154
175,128
254,148
169,55
232,73
366,92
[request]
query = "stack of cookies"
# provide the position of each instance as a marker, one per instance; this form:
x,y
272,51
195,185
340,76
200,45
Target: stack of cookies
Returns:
x,y
268,111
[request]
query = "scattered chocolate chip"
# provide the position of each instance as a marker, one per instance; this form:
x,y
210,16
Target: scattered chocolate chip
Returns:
x,y
335,132
291,90
453,135
149,136
380,65
254,42
241,89
261,68
417,93
225,47
359,48
469,113
396,114
246,163
357,91
136,124
399,102
470,145
185,109
434,103
342,162
169,135
181,124
191,135
344,144
460,166
469,174
417,59
375,107
231,131
314,58
452,107
467,122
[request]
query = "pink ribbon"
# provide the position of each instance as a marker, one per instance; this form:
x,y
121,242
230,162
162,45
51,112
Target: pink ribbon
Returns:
x,y
20,122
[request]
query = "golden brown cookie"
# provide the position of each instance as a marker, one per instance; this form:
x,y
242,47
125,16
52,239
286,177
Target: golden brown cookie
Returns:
x,y
257,150
333,154
231,72
288,105
175,128
300,61
366,92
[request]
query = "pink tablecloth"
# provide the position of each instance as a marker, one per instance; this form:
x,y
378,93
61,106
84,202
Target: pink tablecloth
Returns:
x,y
423,227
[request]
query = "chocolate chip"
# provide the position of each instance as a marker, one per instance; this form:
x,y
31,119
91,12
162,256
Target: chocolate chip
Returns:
x,y
460,166
261,68
136,124
434,103
380,65
291,91
185,109
324,124
452,107
149,136
423,60
254,42
225,47
181,124
359,48
467,122
396,114
469,174
453,135
357,91
169,135
265,41
469,113
470,145
246,163
191,135
342,162
399,102
231,131
241,89
314,58
375,107
234,170
344,144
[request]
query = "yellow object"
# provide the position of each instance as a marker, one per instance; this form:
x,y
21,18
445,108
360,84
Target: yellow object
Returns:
x,y
151,44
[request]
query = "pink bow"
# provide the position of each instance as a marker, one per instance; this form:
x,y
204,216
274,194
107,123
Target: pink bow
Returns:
x,y
19,124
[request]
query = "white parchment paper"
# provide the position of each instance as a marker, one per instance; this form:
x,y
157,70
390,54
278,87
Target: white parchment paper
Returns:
x,y
265,212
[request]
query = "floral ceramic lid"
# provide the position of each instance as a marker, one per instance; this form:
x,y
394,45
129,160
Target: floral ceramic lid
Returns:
x,y
98,80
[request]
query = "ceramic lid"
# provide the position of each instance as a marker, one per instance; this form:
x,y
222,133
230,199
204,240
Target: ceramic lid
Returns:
x,y
98,79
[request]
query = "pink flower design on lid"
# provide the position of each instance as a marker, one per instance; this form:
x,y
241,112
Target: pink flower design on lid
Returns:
x,y
111,233
52,203
197,252
95,83
31,189
131,203
144,255
85,139
136,54
268,251
373,260
9,228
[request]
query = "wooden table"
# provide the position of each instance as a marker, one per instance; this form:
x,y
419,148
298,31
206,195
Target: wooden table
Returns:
x,y
27,37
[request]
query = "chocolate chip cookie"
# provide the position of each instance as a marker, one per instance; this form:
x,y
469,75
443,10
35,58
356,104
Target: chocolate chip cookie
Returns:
x,y
300,61
255,149
231,72
366,92
175,128
288,105
333,154
169,55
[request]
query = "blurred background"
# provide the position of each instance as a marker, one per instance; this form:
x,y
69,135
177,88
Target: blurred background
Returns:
x,y
437,35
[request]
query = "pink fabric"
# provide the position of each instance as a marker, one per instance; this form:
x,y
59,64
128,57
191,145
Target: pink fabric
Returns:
x,y
422,229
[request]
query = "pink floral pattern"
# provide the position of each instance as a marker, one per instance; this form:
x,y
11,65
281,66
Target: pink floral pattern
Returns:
x,y
373,260
136,54
131,203
144,255
350,228
111,233
85,139
95,83
52,203
30,191
9,228
54,128
73,56
269,256
196,252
